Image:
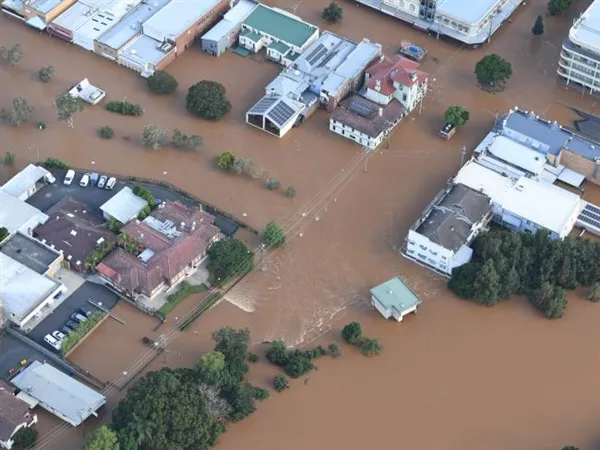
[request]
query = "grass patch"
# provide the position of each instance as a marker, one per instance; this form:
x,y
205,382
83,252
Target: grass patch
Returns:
x,y
82,329
184,291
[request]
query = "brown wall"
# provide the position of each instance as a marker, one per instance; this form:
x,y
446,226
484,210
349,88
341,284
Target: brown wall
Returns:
x,y
103,50
579,164
188,36
168,59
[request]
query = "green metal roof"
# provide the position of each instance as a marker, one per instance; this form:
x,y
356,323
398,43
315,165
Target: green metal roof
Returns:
x,y
279,25
396,294
279,47
252,35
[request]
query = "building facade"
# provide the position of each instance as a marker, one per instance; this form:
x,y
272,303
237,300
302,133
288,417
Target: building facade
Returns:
x,y
394,299
579,61
36,13
226,33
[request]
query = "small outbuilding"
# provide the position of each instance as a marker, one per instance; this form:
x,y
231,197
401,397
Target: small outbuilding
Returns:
x,y
394,299
123,206
26,183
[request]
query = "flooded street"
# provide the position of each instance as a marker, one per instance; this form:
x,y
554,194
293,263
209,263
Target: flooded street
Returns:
x,y
455,377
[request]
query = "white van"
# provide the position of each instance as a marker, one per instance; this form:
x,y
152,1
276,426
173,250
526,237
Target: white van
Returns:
x,y
85,180
53,342
110,184
69,177
49,178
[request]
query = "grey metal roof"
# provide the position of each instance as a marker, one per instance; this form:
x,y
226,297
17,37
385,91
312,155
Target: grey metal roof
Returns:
x,y
124,205
59,393
22,181
450,221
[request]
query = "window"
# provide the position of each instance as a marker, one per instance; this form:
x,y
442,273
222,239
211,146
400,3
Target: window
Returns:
x,y
433,253
411,242
404,97
444,258
410,251
422,247
423,257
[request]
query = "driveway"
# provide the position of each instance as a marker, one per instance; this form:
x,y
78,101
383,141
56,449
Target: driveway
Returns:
x,y
13,351
78,299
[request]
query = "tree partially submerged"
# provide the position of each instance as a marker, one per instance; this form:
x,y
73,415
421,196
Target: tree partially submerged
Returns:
x,y
154,137
102,438
538,26
229,258
181,140
225,160
556,7
274,235
67,106
456,115
11,55
161,82
208,100
25,438
19,113
492,71
352,333
332,13
45,74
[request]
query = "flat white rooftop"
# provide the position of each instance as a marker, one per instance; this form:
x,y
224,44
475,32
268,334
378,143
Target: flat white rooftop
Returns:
x,y
15,213
21,288
143,50
466,11
106,17
22,181
482,179
131,24
240,11
177,16
78,14
220,30
516,154
586,30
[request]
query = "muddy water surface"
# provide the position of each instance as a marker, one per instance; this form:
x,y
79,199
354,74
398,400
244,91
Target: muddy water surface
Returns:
x,y
456,376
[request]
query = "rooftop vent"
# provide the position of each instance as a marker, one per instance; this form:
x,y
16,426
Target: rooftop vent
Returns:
x,y
73,233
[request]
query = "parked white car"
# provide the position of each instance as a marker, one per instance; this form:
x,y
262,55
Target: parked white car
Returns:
x,y
69,177
58,336
53,342
49,178
85,180
110,184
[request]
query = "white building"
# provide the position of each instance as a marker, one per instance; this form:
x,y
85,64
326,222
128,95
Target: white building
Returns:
x,y
226,33
123,206
16,215
65,25
525,204
26,294
14,415
441,237
58,393
579,61
26,183
394,299
283,34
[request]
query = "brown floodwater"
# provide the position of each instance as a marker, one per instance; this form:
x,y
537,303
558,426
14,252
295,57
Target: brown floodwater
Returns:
x,y
455,377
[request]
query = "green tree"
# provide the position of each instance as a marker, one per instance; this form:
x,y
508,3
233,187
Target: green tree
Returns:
x,y
290,192
370,347
556,7
272,183
298,364
212,368
487,284
538,26
241,398
492,70
45,74
208,100
352,333
67,106
570,447
253,358
165,410
549,299
274,235
124,108
332,13
456,115
241,166
106,132
225,160
3,233
229,257
277,353
12,55
25,438
594,295
184,141
233,344
9,159
102,438
154,137
20,112
280,382
161,82
335,350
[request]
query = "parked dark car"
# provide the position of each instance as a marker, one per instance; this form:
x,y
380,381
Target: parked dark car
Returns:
x,y
66,330
84,312
94,178
72,324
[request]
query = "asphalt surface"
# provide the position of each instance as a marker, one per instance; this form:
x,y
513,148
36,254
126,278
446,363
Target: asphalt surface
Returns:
x,y
13,351
78,299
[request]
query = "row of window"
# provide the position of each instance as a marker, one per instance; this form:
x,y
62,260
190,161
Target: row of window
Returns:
x,y
429,261
423,247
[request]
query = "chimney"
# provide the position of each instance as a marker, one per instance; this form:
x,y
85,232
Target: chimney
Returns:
x,y
378,85
380,112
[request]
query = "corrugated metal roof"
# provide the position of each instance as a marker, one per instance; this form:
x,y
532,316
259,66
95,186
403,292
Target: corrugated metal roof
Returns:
x,y
22,181
124,205
396,294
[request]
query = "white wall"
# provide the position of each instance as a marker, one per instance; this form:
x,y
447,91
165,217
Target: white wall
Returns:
x,y
429,253
48,301
357,136
407,6
378,97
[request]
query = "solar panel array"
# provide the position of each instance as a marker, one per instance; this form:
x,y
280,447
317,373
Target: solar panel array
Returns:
x,y
590,215
361,107
281,113
317,53
263,105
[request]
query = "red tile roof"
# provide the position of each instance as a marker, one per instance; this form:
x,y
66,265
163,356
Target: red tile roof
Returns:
x,y
396,68
172,254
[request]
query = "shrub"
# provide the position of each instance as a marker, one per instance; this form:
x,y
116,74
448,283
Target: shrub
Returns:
x,y
9,159
25,438
154,136
259,394
352,333
45,74
333,13
114,225
124,108
182,140
225,160
370,347
106,132
594,295
280,382
208,100
277,353
41,125
242,166
56,163
334,350
162,82
273,235
253,357
290,192
272,183
20,112
3,233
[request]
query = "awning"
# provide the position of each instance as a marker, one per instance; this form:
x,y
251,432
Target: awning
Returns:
x,y
571,177
36,23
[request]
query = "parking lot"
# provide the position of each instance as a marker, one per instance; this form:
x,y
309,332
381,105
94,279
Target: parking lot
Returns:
x,y
78,299
13,351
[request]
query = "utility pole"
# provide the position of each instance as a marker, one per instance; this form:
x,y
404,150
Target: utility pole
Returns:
x,y
463,152
368,152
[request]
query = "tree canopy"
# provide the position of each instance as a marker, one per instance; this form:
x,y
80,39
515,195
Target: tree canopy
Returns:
x,y
456,115
352,333
538,26
225,160
507,263
161,82
11,55
492,69
274,235
154,136
556,7
102,438
67,106
19,113
233,345
229,257
333,13
3,233
208,100
25,438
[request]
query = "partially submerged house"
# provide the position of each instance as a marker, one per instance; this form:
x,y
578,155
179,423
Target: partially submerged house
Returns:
x,y
394,299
